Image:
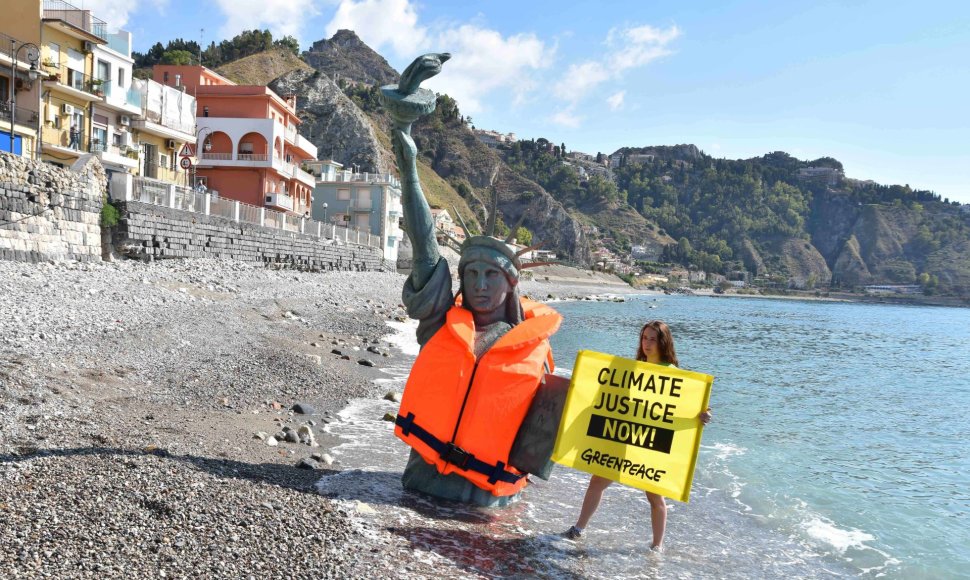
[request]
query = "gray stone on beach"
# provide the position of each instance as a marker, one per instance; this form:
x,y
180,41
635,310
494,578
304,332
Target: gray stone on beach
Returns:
x,y
303,409
366,363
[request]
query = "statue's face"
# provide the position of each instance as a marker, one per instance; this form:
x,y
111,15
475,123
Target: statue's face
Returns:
x,y
485,288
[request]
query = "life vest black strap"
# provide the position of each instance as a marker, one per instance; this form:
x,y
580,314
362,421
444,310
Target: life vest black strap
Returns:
x,y
455,455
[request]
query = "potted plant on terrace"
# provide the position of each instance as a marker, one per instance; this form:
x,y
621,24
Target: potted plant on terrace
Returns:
x,y
96,86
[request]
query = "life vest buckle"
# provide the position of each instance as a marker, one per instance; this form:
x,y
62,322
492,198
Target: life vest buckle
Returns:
x,y
456,455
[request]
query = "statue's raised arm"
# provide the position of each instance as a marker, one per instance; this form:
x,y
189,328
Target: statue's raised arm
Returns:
x,y
406,103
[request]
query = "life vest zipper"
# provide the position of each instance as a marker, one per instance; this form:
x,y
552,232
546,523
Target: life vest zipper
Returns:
x,y
468,392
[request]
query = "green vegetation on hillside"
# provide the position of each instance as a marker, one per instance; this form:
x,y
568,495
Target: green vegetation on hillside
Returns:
x,y
180,51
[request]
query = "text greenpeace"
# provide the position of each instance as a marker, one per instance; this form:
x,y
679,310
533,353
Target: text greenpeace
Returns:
x,y
621,464
633,422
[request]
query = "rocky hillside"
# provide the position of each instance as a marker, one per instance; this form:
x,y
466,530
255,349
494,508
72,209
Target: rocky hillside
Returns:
x,y
787,221
337,102
262,68
345,56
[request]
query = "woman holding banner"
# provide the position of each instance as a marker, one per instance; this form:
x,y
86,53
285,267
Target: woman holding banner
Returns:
x,y
656,346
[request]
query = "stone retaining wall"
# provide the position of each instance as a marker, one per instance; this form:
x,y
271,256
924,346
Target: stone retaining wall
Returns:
x,y
48,213
150,231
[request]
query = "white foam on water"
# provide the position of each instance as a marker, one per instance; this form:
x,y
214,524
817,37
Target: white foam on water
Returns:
x,y
841,539
403,336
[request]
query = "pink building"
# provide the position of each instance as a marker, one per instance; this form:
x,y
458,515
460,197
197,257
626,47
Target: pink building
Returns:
x,y
247,142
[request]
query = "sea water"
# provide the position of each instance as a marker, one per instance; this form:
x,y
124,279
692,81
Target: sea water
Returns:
x,y
836,449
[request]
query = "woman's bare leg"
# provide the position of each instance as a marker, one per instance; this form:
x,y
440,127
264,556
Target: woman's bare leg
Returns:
x,y
594,493
658,518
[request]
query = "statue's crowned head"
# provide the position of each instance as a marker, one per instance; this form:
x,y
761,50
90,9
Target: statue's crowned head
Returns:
x,y
492,251
486,252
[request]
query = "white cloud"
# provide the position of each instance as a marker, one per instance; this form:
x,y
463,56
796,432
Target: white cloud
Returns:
x,y
567,118
280,17
113,12
615,101
381,23
483,61
629,48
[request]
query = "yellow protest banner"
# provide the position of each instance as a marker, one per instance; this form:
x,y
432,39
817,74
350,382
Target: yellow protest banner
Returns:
x,y
633,422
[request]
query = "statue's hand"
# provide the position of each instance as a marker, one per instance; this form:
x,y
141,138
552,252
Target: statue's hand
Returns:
x,y
406,153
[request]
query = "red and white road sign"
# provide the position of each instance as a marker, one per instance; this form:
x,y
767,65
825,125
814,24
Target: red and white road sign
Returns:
x,y
188,150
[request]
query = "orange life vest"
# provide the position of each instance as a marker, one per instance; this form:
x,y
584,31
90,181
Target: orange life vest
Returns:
x,y
461,414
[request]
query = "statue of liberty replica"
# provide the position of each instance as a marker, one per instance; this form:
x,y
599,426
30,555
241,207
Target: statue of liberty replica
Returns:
x,y
484,350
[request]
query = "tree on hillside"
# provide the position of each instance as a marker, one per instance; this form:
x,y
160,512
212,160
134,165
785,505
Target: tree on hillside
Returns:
x,y
179,57
290,43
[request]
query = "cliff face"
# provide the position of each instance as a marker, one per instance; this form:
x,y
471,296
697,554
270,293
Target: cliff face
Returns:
x,y
333,123
345,56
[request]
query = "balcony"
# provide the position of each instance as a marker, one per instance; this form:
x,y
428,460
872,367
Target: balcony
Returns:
x,y
54,140
75,83
279,201
25,116
76,18
121,99
114,155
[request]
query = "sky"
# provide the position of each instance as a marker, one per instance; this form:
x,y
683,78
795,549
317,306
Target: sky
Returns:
x,y
884,87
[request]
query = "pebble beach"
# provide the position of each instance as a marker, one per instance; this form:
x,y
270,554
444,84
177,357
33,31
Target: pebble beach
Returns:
x,y
167,419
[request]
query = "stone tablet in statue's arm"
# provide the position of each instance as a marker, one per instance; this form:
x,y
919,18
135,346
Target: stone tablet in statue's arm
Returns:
x,y
532,450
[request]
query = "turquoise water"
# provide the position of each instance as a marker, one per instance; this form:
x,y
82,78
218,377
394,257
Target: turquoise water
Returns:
x,y
839,426
837,449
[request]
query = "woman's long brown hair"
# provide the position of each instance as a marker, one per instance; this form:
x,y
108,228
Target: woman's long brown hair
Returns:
x,y
665,342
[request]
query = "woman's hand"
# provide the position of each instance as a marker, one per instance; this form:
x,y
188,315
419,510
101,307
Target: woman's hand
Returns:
x,y
706,416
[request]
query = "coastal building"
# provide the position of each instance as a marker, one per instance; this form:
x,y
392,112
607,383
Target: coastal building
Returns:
x,y
494,139
446,226
20,72
247,142
69,36
113,138
827,175
369,202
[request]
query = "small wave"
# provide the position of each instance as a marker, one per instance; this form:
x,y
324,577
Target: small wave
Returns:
x,y
840,539
403,337
724,450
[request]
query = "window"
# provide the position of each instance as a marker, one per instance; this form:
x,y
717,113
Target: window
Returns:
x,y
54,54
104,71
99,139
343,194
162,160
363,221
4,89
246,148
363,198
117,139
121,77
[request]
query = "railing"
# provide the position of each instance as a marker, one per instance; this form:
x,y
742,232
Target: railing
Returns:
x,y
24,116
155,192
120,45
222,207
62,138
76,79
290,133
147,190
346,176
59,10
216,156
118,95
252,156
